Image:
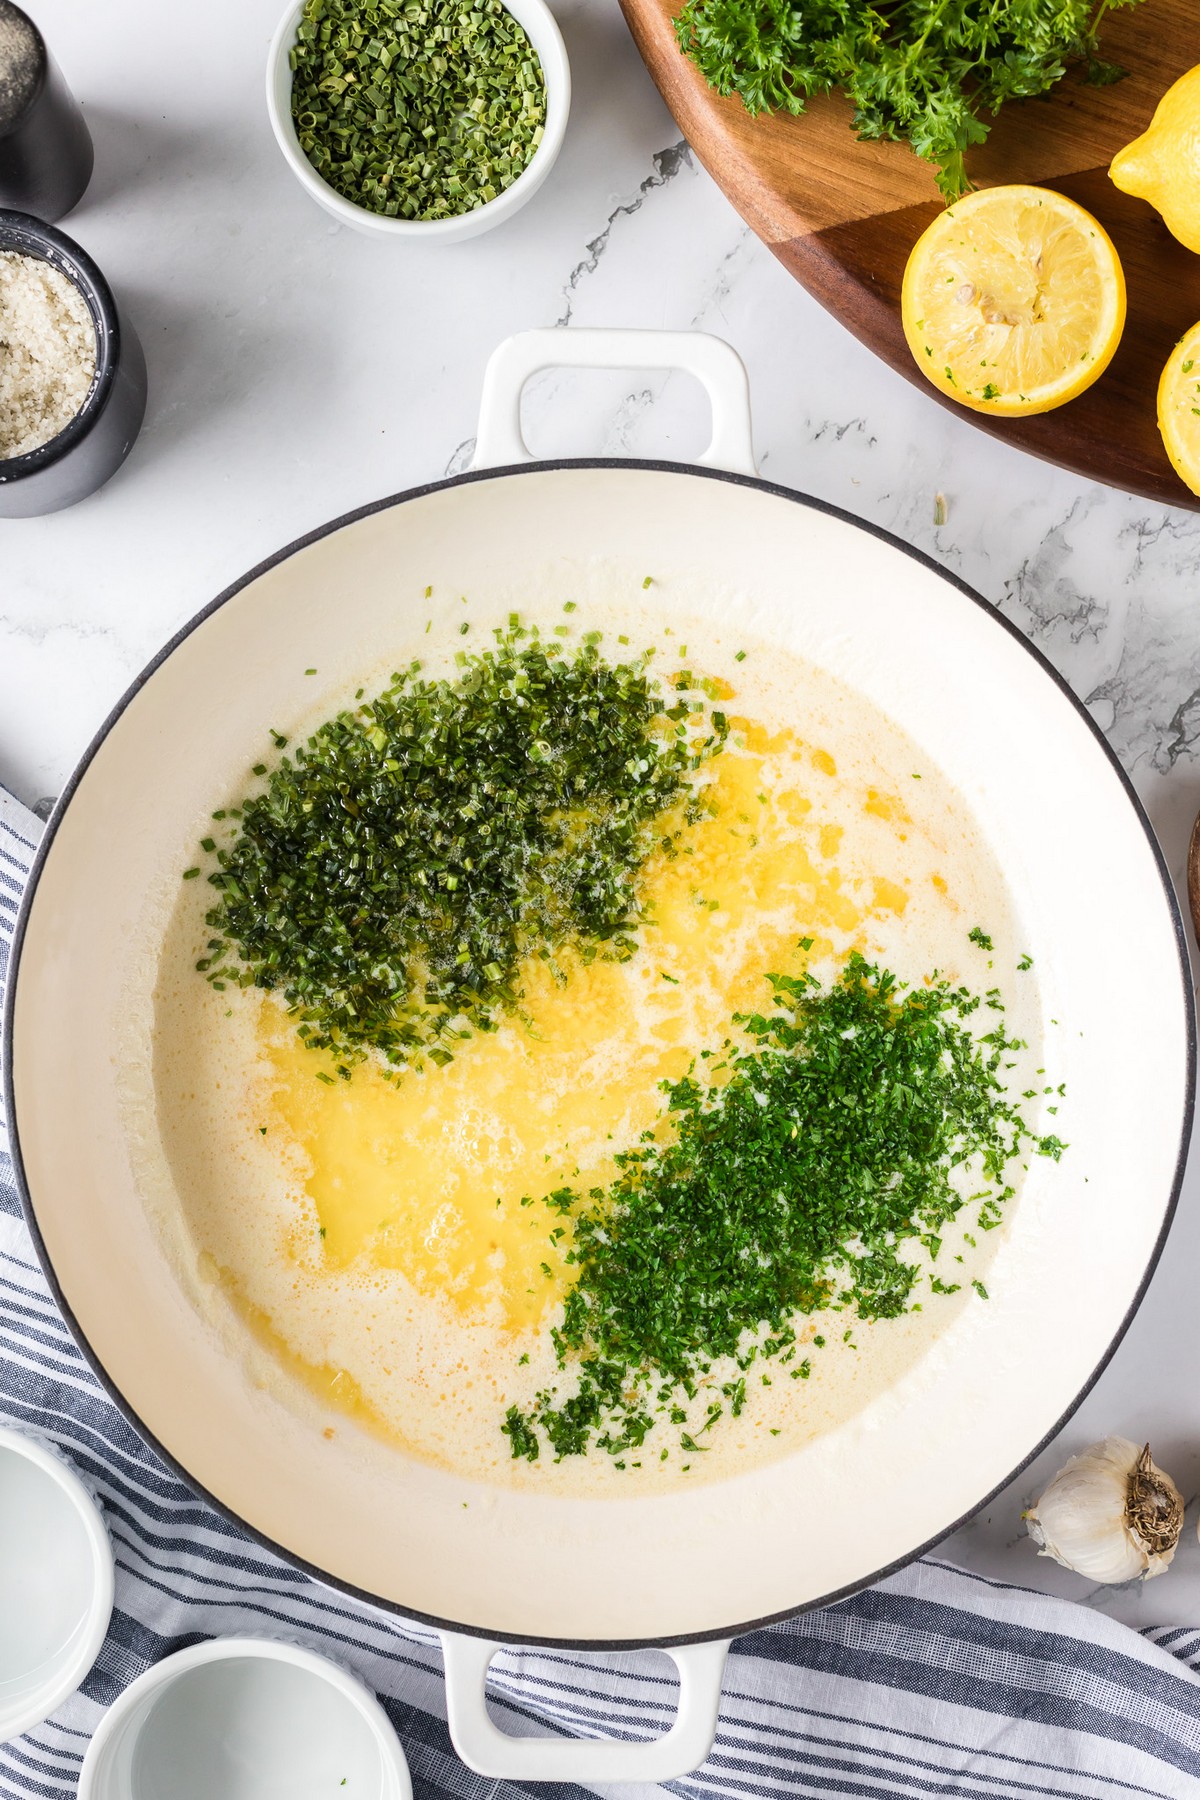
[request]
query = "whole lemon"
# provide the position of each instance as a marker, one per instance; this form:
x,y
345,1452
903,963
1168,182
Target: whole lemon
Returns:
x,y
1163,165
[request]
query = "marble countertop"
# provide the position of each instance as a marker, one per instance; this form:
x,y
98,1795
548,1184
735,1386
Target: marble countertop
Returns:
x,y
298,369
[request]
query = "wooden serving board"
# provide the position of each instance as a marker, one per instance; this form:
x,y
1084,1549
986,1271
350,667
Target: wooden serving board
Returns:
x,y
843,216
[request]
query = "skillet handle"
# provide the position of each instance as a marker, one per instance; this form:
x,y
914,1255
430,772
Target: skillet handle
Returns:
x,y
492,1752
715,364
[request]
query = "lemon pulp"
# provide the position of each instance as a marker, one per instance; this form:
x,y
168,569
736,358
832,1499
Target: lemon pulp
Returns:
x,y
1013,300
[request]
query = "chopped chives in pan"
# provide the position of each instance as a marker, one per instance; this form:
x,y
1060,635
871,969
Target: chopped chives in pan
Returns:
x,y
400,865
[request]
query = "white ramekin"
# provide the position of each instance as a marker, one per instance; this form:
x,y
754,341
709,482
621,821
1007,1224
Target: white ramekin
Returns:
x,y
245,1715
539,24
56,1582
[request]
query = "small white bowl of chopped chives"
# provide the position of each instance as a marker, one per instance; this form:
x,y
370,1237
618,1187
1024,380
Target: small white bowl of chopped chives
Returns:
x,y
430,120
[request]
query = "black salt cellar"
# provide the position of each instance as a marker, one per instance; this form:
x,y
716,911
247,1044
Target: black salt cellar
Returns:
x,y
46,153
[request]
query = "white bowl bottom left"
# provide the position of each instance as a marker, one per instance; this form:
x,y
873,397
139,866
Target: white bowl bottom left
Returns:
x,y
56,1582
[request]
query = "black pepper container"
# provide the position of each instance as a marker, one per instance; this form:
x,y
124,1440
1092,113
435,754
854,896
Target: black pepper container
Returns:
x,y
46,153
93,445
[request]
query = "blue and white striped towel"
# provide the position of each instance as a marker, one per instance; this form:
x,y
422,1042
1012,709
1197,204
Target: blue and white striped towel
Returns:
x,y
934,1683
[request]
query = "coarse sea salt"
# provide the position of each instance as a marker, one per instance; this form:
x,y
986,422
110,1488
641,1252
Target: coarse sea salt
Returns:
x,y
47,352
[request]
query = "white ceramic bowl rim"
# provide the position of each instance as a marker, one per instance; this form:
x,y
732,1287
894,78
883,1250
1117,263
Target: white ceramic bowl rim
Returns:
x,y
541,27
93,1782
21,1710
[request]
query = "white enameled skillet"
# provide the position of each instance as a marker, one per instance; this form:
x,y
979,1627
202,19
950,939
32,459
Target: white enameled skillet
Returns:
x,y
695,1568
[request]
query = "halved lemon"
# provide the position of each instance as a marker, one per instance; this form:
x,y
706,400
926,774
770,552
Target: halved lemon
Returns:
x,y
1179,408
1013,300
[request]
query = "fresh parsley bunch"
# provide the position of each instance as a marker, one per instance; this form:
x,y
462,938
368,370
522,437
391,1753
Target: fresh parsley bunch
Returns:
x,y
929,71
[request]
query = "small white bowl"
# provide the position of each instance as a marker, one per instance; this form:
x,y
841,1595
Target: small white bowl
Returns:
x,y
541,28
245,1719
56,1582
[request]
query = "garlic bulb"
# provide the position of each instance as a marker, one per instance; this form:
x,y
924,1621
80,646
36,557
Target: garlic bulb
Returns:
x,y
1109,1514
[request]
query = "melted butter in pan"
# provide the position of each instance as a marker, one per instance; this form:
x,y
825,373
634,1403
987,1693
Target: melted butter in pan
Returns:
x,y
369,1235
428,1176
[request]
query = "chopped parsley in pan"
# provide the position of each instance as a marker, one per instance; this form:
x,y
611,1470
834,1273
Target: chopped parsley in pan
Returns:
x,y
787,1180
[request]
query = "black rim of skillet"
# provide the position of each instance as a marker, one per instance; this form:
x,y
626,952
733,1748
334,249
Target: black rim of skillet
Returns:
x,y
29,237
739,1628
